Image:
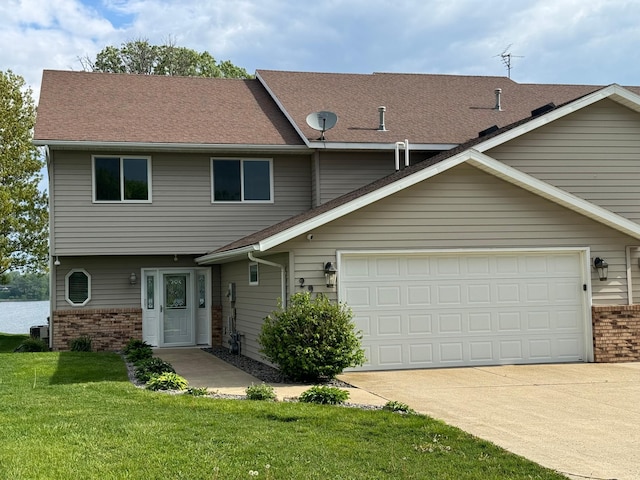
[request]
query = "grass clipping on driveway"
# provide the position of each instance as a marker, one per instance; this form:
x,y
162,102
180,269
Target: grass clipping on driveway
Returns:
x,y
75,415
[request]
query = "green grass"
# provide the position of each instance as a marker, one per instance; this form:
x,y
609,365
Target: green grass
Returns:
x,y
75,415
9,342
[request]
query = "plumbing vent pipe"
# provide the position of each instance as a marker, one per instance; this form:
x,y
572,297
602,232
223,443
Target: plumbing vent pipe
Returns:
x,y
381,110
498,92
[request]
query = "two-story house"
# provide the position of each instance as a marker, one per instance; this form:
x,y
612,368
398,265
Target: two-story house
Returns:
x,y
465,220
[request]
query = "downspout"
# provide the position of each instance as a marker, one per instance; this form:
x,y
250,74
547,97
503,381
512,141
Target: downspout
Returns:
x,y
283,278
404,145
629,279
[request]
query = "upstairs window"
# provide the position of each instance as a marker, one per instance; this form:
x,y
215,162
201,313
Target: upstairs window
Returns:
x,y
121,179
242,180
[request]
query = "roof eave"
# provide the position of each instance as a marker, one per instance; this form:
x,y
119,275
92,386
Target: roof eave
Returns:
x,y
168,147
226,256
324,145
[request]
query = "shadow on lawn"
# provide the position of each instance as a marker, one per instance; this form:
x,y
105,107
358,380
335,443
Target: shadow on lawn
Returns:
x,y
89,367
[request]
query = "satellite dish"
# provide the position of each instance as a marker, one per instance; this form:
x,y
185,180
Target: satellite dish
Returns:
x,y
322,121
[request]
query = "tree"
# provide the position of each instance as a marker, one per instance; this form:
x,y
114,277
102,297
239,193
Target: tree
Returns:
x,y
23,207
139,57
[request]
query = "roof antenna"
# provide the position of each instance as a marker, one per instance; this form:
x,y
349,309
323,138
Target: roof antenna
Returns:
x,y
506,58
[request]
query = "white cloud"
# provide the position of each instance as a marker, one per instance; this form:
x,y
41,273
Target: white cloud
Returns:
x,y
562,41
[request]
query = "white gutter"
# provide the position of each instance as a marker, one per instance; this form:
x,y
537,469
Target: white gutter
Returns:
x,y
85,144
283,276
228,255
379,146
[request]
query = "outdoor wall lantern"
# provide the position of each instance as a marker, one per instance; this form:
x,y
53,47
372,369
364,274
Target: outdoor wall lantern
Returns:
x,y
330,274
57,262
602,267
133,278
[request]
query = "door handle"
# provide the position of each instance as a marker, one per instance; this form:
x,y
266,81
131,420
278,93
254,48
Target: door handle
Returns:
x,y
160,308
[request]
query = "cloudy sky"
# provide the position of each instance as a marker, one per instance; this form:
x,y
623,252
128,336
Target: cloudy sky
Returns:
x,y
551,41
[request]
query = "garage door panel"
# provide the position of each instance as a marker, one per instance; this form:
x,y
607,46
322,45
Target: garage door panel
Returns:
x,y
429,310
419,324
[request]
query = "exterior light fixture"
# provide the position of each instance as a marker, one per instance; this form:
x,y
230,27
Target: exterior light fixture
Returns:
x,y
602,267
57,262
133,278
330,274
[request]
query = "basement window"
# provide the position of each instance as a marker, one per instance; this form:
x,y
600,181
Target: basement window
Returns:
x,y
77,287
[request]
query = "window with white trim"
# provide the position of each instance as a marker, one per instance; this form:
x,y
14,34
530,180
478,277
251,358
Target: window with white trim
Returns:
x,y
242,180
253,274
77,287
121,179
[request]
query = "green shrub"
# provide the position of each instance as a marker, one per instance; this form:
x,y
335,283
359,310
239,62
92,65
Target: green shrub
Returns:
x,y
197,391
325,395
32,345
81,344
167,381
261,392
148,367
399,407
133,344
136,350
311,338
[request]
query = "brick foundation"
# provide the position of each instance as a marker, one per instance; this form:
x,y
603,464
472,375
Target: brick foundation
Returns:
x,y
616,333
110,329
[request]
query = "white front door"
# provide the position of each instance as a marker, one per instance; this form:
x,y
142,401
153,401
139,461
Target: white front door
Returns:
x,y
177,309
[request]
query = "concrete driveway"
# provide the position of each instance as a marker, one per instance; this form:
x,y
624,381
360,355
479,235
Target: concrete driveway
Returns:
x,y
580,419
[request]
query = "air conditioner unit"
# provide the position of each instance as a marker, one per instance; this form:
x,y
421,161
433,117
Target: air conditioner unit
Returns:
x,y
40,331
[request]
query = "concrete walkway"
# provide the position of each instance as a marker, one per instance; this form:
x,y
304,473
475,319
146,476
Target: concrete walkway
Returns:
x,y
201,369
579,419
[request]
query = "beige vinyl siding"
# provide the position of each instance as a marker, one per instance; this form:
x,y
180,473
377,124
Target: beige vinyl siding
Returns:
x,y
593,153
341,173
110,286
181,219
464,208
253,302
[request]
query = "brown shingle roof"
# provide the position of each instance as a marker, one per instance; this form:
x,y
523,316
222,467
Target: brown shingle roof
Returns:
x,y
427,109
103,107
261,235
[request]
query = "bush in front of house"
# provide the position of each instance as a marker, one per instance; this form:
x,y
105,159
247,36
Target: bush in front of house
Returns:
x,y
398,407
324,395
137,350
312,339
260,392
81,344
32,345
167,381
148,367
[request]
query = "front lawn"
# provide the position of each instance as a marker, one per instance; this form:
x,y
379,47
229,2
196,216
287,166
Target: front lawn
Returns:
x,y
10,341
75,415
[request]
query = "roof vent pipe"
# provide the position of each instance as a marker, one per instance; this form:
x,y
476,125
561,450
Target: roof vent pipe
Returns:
x,y
498,106
381,127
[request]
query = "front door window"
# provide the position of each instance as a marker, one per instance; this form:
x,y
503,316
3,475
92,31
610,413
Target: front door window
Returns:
x,y
178,325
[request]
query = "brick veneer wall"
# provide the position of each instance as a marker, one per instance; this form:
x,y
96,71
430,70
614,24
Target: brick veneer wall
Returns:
x,y
616,333
109,329
216,325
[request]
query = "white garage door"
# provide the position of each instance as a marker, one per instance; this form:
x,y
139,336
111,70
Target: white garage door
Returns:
x,y
442,310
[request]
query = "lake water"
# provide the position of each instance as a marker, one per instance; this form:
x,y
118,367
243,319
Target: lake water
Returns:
x,y
17,317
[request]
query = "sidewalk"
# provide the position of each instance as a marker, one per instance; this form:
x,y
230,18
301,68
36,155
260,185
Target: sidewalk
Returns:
x,y
201,369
